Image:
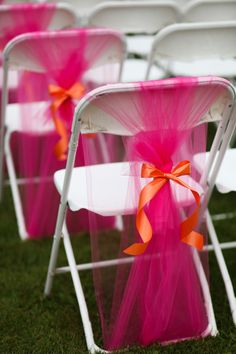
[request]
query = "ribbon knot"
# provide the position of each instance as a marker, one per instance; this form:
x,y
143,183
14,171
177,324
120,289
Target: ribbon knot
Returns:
x,y
59,96
187,234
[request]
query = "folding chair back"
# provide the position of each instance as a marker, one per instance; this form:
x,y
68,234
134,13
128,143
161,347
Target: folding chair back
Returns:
x,y
209,10
83,7
196,49
96,120
134,16
142,18
19,54
97,112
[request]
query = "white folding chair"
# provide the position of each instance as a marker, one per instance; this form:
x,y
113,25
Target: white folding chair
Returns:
x,y
70,180
209,10
194,49
16,56
140,18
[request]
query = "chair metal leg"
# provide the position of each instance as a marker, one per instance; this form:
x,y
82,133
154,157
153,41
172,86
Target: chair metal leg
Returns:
x,y
212,328
1,162
119,223
92,347
3,105
14,188
222,265
55,248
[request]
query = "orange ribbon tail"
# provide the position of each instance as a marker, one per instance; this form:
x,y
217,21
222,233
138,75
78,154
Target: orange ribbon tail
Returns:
x,y
60,95
187,234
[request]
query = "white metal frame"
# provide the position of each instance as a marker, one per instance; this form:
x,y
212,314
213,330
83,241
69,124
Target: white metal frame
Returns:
x,y
220,142
10,53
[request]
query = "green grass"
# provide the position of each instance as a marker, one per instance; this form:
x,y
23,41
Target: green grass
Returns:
x,y
31,324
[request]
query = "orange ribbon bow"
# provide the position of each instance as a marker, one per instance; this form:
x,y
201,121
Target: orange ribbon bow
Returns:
x,y
60,95
187,235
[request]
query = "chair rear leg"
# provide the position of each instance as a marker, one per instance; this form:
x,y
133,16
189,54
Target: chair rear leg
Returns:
x,y
222,265
1,159
92,348
206,294
119,223
14,188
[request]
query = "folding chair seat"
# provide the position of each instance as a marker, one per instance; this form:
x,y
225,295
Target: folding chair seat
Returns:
x,y
205,48
92,54
135,110
21,18
107,200
142,19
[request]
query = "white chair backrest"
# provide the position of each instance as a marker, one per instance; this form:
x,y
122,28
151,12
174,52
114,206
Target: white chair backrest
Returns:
x,y
194,41
63,17
134,16
83,7
209,10
92,119
18,52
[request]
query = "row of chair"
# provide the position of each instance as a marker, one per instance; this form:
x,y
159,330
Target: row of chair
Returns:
x,y
198,44
16,54
171,59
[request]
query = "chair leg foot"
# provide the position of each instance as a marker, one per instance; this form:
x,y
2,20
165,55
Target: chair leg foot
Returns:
x,y
234,313
98,350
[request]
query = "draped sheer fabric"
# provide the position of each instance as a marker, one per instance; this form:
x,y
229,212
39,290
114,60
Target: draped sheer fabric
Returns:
x,y
81,57
23,18
16,19
158,295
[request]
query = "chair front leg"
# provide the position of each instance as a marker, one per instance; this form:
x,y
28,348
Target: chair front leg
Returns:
x,y
55,248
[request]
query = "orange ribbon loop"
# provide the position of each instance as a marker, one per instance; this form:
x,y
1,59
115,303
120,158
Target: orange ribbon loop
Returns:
x,y
60,95
187,235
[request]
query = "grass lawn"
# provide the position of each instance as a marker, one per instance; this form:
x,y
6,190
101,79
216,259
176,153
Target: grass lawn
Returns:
x,y
32,325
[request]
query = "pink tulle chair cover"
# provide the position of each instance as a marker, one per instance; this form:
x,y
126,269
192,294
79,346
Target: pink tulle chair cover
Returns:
x,y
16,19
23,18
157,296
85,57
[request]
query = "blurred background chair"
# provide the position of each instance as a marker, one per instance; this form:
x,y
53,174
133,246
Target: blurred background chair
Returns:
x,y
209,10
142,19
192,49
65,58
22,18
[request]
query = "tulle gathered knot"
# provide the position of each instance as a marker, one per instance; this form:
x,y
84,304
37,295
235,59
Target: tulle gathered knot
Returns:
x,y
160,178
